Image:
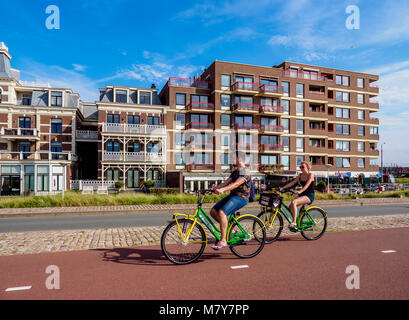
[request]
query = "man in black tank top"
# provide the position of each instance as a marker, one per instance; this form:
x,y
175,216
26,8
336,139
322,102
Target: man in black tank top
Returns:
x,y
306,194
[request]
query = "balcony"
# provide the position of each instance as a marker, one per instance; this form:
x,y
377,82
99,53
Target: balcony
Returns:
x,y
124,128
267,109
201,106
37,155
200,146
317,128
200,167
246,107
271,167
20,134
189,83
247,146
271,147
86,135
245,87
271,89
200,125
246,126
303,75
271,128
373,104
140,157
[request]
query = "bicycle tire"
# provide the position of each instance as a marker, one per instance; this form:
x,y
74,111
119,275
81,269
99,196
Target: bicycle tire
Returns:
x,y
173,247
320,219
247,248
273,232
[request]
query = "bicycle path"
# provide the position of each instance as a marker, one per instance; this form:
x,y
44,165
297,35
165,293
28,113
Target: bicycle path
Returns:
x,y
291,268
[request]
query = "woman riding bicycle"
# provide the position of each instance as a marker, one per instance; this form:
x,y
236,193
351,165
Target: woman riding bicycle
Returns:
x,y
306,194
239,186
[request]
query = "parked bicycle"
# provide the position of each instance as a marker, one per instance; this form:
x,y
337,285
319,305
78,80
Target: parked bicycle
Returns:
x,y
311,221
184,239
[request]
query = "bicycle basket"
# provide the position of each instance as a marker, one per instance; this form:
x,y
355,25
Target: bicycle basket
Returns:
x,y
270,200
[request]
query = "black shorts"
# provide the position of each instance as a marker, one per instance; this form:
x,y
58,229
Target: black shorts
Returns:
x,y
310,196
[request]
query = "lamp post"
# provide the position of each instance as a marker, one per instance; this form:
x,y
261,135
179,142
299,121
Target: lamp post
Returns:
x,y
382,143
328,166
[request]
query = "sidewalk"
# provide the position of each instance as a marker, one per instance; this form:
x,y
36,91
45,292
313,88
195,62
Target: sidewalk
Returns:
x,y
165,208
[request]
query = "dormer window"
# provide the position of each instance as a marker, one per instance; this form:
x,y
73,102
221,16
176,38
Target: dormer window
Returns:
x,y
144,97
26,101
121,96
56,98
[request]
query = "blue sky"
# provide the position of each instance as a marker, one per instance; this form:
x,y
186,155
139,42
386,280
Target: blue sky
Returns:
x,y
138,43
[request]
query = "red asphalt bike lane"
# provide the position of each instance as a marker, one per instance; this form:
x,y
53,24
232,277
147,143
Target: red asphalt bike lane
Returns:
x,y
290,268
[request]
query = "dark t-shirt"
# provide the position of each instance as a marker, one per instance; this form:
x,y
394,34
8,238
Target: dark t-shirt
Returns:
x,y
242,190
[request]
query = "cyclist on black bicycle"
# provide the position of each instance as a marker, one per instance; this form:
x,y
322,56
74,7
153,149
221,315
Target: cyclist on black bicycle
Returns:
x,y
306,194
238,184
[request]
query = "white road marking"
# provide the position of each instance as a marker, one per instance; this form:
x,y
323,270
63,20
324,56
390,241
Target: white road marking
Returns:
x,y
239,267
18,288
388,251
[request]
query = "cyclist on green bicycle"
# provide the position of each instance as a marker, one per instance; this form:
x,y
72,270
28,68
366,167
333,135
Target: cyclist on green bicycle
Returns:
x,y
306,194
239,186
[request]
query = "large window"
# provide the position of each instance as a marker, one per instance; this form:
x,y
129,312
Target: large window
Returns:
x,y
300,126
285,123
342,145
243,99
29,178
113,118
268,121
56,126
199,118
225,100
342,162
180,159
342,129
226,80
112,174
180,120
360,82
268,140
144,97
225,140
300,90
132,178
342,80
342,113
286,87
154,121
56,98
24,147
299,108
342,96
180,139
42,178
134,119
286,105
373,130
113,146
121,96
225,120
268,159
24,122
300,144
180,99
285,141
56,148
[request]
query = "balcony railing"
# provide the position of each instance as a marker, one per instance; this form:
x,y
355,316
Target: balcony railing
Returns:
x,y
201,106
19,133
246,86
270,167
182,82
270,88
303,75
272,128
200,166
317,110
201,145
247,126
133,128
200,125
37,155
320,93
151,157
317,128
86,134
271,109
246,107
247,146
271,147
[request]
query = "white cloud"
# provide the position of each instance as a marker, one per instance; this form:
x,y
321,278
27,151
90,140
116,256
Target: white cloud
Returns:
x,y
78,67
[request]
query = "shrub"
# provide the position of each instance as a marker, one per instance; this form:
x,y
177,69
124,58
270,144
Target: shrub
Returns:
x,y
119,184
164,190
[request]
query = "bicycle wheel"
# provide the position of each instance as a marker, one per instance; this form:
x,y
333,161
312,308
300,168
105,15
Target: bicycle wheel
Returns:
x,y
274,230
178,251
246,236
315,221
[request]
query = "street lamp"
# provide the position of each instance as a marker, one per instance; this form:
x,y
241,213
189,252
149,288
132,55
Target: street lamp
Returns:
x,y
382,143
328,166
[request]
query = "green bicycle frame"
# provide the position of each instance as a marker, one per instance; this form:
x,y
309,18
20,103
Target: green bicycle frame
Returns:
x,y
287,213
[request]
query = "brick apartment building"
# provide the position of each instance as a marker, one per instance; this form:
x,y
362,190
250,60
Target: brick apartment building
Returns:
x,y
187,135
275,117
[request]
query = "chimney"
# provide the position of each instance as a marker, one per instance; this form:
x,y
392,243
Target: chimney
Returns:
x,y
153,86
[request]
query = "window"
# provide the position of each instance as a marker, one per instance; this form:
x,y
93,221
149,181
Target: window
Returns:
x,y
113,146
360,82
342,162
56,147
361,162
373,130
56,98
225,140
113,118
225,120
361,146
26,101
299,108
300,90
243,99
342,80
56,126
342,96
180,139
342,145
360,98
298,160
121,96
29,178
226,80
342,113
144,97
243,119
180,99
24,122
153,121
285,161
0,94
134,147
285,141
268,159
180,120
134,119
132,178
345,96
373,162
199,118
361,115
300,126
300,144
180,159
342,129
24,147
225,100
112,174
361,130
42,178
244,82
268,140
286,105
268,121
286,88
225,159
285,123
153,147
